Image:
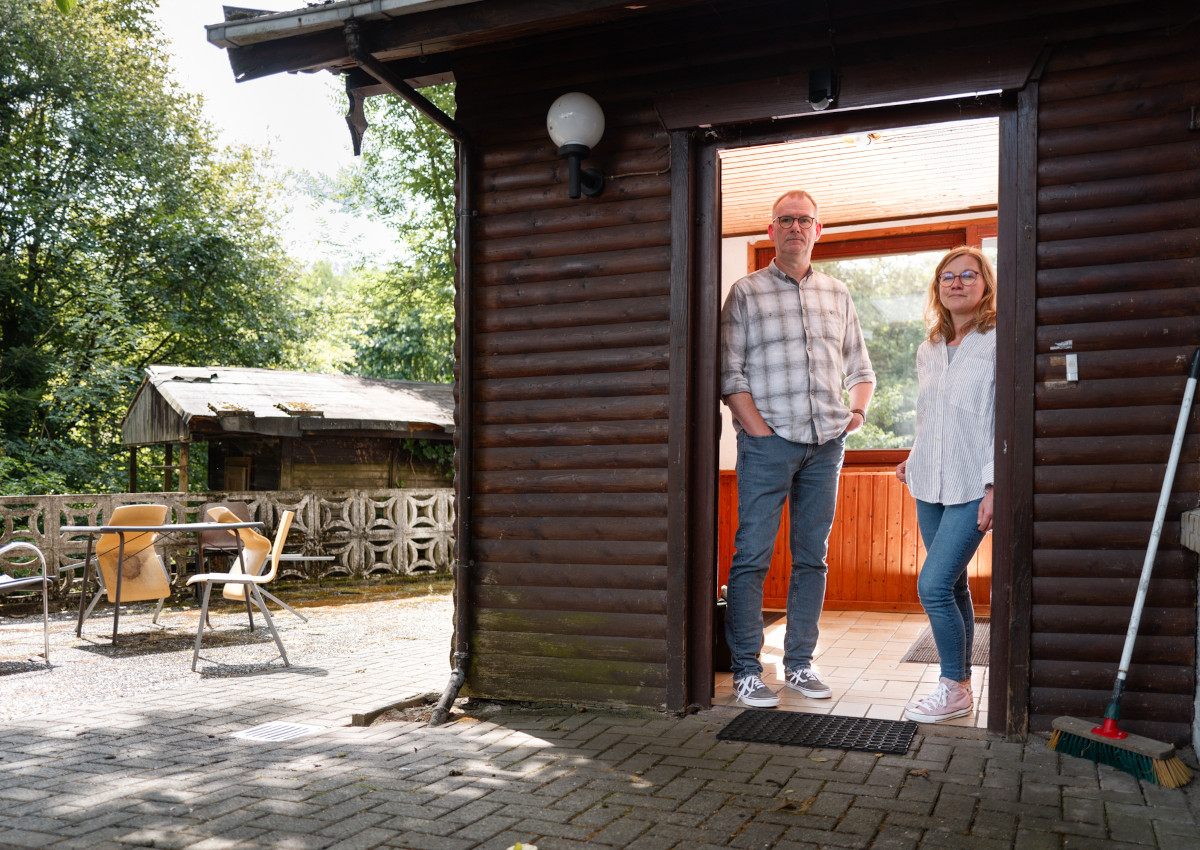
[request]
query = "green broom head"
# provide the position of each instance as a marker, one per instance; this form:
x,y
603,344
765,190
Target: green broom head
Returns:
x,y
1140,757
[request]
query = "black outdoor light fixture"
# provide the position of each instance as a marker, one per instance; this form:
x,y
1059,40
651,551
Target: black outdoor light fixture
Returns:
x,y
576,123
821,90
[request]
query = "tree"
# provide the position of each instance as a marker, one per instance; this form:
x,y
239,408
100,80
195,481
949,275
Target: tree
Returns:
x,y
126,238
889,296
407,179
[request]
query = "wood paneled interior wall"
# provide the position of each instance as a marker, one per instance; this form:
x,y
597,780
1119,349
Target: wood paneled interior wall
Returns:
x,y
875,549
1118,257
569,597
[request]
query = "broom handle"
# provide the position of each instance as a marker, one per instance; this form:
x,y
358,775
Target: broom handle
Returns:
x,y
1159,515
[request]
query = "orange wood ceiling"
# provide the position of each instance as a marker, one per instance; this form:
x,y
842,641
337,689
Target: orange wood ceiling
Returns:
x,y
905,173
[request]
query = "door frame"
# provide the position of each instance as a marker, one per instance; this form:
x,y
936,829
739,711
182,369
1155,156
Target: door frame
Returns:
x,y
1009,673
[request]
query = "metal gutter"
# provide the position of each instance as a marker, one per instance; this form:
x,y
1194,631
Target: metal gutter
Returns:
x,y
464,155
270,26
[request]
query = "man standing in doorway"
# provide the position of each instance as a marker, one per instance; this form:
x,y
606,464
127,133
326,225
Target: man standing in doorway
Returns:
x,y
790,339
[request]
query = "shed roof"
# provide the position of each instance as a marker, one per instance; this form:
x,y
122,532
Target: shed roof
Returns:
x,y
186,403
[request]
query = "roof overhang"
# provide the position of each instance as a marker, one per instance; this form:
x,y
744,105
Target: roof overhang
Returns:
x,y
243,27
312,39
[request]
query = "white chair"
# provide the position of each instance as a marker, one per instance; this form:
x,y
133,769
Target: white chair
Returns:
x,y
243,574
9,584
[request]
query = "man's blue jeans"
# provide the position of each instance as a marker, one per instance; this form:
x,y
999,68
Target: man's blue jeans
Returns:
x,y
951,535
770,471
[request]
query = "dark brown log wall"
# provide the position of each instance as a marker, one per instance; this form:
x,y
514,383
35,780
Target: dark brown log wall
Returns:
x,y
572,323
571,378
1118,284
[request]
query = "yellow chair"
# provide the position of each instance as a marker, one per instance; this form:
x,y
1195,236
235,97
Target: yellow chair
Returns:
x,y
256,549
129,568
243,575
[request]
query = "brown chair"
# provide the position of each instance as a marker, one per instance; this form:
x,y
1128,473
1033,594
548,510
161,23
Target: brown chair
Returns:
x,y
219,542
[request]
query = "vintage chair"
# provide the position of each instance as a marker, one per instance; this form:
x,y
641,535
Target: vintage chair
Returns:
x,y
219,542
129,568
9,584
244,574
238,592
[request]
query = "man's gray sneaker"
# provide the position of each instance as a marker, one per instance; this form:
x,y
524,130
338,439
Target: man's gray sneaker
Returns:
x,y
752,691
807,681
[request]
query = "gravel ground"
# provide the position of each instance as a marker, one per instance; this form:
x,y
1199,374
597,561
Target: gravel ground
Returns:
x,y
89,669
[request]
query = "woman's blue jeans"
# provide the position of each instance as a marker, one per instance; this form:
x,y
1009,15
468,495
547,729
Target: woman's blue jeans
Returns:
x,y
951,535
770,471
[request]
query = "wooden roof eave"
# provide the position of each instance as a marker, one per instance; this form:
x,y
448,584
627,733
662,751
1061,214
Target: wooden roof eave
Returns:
x,y
312,39
304,426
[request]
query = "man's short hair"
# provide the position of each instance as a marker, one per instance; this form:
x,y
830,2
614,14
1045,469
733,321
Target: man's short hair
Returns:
x,y
794,193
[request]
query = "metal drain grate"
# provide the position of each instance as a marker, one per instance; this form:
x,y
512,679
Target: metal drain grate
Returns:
x,y
828,731
276,731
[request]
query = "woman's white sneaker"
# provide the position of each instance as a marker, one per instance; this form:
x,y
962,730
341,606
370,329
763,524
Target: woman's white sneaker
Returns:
x,y
751,690
951,699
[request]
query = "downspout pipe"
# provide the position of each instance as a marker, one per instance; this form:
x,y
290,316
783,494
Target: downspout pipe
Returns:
x,y
465,157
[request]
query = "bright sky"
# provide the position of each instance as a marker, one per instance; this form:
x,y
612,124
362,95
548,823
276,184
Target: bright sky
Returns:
x,y
301,117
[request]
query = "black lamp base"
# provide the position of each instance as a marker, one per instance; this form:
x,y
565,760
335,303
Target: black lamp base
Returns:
x,y
587,181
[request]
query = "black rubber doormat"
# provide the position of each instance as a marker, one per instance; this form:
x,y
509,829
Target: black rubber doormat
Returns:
x,y
924,650
826,731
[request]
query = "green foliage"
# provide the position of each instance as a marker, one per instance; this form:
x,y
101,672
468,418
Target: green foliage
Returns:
x,y
66,6
889,295
126,238
411,345
439,453
331,308
407,180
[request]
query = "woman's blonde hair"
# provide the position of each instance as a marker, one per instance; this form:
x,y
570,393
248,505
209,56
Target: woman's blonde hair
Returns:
x,y
937,317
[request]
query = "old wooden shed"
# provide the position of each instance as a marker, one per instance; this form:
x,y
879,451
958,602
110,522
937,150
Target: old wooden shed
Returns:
x,y
587,392
271,429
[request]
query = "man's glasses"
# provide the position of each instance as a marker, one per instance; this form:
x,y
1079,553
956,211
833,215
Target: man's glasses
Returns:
x,y
968,277
786,221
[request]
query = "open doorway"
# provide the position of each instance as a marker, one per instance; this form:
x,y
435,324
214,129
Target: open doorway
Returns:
x,y
892,201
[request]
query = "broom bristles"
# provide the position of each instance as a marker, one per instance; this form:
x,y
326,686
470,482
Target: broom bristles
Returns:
x,y
1166,770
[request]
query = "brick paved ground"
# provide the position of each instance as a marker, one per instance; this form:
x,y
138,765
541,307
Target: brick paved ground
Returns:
x,y
161,770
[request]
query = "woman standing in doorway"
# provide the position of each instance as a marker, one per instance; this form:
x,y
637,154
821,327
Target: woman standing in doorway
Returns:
x,y
950,468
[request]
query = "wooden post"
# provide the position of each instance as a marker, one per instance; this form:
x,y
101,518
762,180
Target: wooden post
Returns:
x,y
1016,324
168,456
183,467
133,469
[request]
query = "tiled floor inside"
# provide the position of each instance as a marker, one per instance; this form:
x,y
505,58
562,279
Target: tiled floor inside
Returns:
x,y
859,654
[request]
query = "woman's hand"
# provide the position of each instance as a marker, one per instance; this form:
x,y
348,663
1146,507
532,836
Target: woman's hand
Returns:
x,y
985,511
900,471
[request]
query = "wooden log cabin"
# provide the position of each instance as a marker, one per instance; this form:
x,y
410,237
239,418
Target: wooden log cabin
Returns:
x,y
587,404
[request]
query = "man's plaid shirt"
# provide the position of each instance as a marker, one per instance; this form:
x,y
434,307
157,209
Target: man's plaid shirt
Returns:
x,y
789,344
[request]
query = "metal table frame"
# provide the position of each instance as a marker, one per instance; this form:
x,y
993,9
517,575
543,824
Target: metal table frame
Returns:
x,y
92,531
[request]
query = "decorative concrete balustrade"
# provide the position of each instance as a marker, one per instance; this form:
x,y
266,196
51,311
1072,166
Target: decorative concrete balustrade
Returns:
x,y
368,532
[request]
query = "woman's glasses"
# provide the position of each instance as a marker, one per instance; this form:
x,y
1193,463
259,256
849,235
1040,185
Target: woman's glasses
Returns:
x,y
968,277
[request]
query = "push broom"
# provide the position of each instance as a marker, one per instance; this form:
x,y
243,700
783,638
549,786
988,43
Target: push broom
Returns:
x,y
1145,758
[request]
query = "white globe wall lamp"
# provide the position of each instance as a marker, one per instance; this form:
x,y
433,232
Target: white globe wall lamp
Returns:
x,y
576,123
